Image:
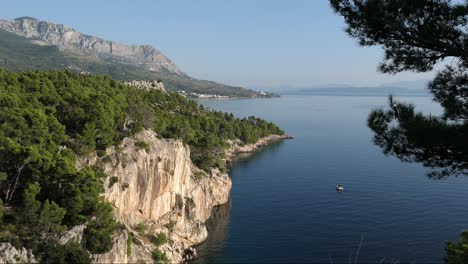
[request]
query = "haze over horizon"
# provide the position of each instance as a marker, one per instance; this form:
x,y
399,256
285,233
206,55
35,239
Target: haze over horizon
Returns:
x,y
258,45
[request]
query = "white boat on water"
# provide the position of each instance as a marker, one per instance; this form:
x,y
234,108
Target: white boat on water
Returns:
x,y
339,187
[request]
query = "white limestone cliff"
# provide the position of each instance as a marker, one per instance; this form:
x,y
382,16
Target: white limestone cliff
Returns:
x,y
147,85
157,187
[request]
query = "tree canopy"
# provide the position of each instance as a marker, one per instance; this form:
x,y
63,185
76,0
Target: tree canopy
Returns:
x,y
416,35
48,118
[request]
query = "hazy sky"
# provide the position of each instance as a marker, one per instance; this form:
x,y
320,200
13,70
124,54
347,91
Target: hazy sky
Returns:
x,y
256,43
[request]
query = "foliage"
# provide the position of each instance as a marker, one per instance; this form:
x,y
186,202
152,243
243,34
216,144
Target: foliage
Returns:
x,y
107,159
37,220
98,233
48,118
1,211
198,175
113,180
159,239
129,243
141,144
159,257
17,53
141,228
457,252
71,252
416,35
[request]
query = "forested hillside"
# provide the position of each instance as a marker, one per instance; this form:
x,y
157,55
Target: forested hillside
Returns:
x,y
49,118
18,53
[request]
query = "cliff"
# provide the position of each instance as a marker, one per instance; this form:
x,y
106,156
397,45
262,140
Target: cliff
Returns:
x,y
159,188
147,85
156,187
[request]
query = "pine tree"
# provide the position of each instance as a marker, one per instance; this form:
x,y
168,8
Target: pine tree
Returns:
x,y
416,35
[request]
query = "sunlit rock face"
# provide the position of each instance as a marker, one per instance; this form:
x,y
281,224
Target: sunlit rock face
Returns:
x,y
68,39
152,182
155,185
10,254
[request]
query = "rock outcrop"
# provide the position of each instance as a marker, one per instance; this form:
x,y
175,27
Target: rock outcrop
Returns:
x,y
147,85
158,187
237,146
10,254
154,189
68,39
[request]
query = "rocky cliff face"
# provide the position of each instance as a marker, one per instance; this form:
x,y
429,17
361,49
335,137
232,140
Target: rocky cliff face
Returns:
x,y
157,187
161,189
10,254
68,39
147,85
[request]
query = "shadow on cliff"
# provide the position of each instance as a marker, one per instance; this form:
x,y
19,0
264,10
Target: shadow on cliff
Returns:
x,y
217,225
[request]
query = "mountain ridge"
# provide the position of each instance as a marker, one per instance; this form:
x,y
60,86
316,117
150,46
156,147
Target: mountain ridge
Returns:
x,y
27,43
68,39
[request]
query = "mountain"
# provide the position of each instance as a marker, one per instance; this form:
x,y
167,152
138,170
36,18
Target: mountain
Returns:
x,y
350,90
27,43
413,85
406,87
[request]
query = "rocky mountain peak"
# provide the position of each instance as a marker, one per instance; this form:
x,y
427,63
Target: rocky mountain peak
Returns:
x,y
68,39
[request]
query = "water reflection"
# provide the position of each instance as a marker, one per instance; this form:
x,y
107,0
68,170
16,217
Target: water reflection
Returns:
x,y
217,226
248,158
212,249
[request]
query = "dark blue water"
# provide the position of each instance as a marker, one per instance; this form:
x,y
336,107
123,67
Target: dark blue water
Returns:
x,y
284,207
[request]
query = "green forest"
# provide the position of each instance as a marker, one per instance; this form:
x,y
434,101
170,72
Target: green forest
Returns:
x,y
18,53
48,118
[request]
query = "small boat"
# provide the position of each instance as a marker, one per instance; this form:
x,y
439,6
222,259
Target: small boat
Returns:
x,y
339,188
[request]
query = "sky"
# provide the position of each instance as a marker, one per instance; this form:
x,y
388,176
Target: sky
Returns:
x,y
274,44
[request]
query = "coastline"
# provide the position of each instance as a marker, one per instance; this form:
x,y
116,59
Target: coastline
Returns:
x,y
181,220
237,146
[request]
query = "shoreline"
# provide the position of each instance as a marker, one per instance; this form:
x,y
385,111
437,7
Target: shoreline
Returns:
x,y
237,146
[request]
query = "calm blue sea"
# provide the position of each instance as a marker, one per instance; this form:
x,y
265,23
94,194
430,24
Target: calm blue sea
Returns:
x,y
284,207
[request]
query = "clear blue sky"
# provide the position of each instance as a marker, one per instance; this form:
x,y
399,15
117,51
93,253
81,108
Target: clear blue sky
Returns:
x,y
253,43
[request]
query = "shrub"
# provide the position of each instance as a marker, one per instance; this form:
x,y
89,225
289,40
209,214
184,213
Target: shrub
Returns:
x,y
71,252
107,159
124,186
457,252
141,228
142,145
159,257
113,180
98,235
129,243
198,175
159,239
